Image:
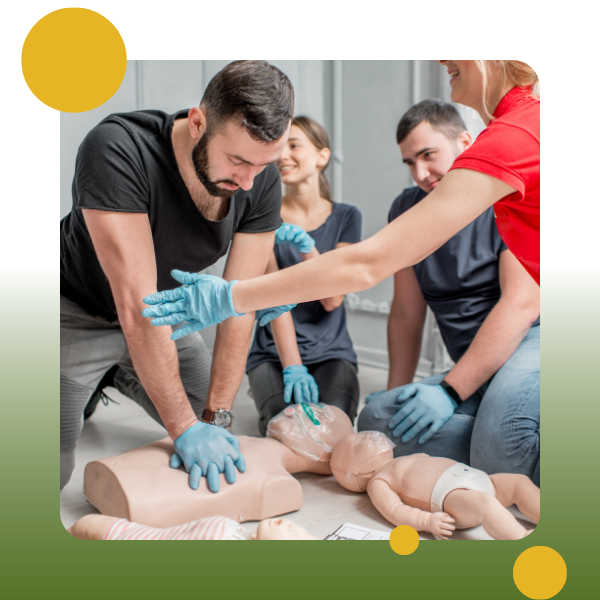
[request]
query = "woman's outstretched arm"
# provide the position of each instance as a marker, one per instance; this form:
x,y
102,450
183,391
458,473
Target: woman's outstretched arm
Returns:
x,y
460,198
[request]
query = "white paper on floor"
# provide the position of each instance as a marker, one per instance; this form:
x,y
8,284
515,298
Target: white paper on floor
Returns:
x,y
349,531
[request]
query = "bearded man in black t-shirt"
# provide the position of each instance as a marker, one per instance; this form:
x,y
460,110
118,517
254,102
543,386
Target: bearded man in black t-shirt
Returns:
x,y
154,192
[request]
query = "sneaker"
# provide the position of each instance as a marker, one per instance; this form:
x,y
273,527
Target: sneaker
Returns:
x,y
107,380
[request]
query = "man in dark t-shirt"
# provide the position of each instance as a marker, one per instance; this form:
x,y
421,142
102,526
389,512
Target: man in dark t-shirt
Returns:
x,y
485,411
154,192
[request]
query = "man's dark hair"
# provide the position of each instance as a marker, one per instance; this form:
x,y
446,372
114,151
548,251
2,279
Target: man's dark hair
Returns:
x,y
255,92
441,115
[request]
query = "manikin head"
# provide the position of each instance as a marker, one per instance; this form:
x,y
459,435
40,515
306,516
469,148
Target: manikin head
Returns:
x,y
242,125
281,529
431,134
358,456
481,84
311,430
306,156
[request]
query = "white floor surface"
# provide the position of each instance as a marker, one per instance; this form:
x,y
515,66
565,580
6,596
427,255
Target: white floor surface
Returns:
x,y
119,427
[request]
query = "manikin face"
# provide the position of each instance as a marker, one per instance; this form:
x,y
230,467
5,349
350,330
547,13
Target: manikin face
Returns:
x,y
300,158
466,81
229,159
429,154
282,529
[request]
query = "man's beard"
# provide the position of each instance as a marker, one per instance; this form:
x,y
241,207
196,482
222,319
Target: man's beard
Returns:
x,y
201,166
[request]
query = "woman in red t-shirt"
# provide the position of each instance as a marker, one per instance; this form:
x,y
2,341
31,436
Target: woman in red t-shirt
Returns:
x,y
502,168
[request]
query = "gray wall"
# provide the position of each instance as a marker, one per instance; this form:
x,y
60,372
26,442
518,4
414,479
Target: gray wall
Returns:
x,y
359,103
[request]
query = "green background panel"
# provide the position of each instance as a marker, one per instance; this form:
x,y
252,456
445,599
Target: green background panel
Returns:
x,y
41,560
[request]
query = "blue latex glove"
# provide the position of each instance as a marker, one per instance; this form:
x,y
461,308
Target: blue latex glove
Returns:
x,y
374,395
266,315
208,450
298,380
430,406
203,300
296,236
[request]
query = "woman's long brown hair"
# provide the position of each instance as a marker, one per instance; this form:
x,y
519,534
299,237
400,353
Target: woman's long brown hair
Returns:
x,y
319,139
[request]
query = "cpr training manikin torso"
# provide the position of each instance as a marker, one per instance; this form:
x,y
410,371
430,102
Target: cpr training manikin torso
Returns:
x,y
139,485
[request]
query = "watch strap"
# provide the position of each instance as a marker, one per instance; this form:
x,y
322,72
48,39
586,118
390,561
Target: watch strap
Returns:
x,y
451,392
208,416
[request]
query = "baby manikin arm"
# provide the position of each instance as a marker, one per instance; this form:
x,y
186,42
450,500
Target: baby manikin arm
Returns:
x,y
387,502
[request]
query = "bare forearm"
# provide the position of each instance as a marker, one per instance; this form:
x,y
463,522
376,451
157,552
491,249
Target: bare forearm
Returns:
x,y
154,357
284,335
229,361
333,302
330,274
404,349
495,342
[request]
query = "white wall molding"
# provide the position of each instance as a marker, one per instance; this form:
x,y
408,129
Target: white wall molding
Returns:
x,y
139,84
355,302
338,157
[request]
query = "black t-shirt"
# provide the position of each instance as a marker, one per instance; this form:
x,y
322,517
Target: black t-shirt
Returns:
x,y
460,280
320,335
127,164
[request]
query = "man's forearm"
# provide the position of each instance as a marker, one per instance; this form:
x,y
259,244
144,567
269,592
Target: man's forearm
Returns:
x,y
497,339
229,361
404,349
154,357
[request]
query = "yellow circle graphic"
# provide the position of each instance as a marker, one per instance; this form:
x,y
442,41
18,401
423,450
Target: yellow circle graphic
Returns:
x,y
73,59
404,540
540,572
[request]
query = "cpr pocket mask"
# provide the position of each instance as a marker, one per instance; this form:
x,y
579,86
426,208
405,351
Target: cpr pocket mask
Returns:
x,y
308,429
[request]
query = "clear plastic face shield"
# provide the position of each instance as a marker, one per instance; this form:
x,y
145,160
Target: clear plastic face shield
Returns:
x,y
358,456
311,430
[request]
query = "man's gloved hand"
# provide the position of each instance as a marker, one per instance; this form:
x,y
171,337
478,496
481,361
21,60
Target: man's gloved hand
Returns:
x,y
374,395
296,236
298,380
430,405
266,315
207,450
203,300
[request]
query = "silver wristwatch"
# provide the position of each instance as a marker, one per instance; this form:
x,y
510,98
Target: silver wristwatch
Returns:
x,y
220,417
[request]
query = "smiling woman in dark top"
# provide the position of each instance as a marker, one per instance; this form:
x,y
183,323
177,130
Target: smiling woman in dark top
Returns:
x,y
307,355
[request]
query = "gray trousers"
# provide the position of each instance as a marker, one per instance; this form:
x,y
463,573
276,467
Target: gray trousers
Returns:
x,y
89,347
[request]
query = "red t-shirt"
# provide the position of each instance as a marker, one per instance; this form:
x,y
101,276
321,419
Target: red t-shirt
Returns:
x,y
509,150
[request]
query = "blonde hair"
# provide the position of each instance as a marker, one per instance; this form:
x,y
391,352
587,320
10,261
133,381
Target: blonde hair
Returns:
x,y
516,73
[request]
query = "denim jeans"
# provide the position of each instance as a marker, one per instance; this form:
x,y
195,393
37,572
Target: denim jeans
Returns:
x,y
496,430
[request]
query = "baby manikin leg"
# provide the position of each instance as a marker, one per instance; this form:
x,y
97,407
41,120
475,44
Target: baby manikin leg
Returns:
x,y
512,488
471,508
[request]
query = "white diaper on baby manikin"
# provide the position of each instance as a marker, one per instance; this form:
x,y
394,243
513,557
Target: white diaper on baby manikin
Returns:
x,y
459,477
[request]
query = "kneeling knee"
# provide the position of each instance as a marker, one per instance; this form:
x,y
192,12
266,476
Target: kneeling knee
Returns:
x,y
67,466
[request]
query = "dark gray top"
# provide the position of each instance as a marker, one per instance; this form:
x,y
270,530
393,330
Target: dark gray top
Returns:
x,y
127,164
460,280
321,335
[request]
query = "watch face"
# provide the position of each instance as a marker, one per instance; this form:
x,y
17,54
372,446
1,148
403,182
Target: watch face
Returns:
x,y
223,418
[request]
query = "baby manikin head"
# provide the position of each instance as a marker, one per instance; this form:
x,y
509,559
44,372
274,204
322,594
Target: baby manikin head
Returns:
x,y
282,529
358,456
311,430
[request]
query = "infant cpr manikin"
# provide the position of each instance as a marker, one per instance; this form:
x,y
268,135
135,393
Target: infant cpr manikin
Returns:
x,y
431,493
139,485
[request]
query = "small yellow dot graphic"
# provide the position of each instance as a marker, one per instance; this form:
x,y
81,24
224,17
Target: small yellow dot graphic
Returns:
x,y
540,572
73,59
404,540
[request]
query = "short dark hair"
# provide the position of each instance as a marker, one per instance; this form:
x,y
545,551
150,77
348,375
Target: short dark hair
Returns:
x,y
442,116
254,91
